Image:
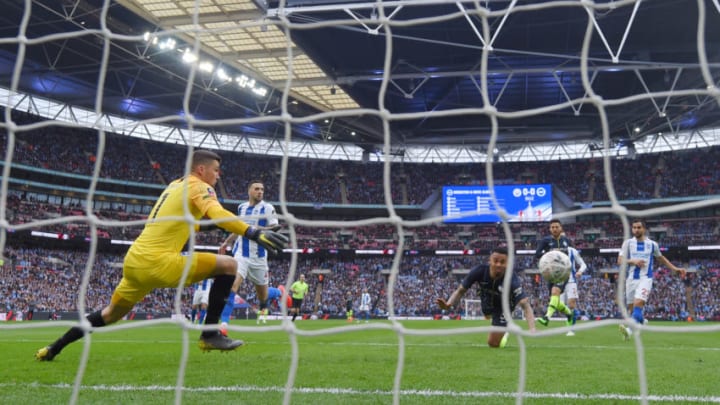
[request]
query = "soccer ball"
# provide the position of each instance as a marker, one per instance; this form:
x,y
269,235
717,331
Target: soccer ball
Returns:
x,y
555,266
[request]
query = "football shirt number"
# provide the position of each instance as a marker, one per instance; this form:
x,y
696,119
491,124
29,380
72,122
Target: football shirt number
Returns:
x,y
159,204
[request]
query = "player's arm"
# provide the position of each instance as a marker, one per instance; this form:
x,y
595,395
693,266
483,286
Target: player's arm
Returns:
x,y
454,298
529,313
465,285
663,260
272,241
272,221
621,255
227,243
580,262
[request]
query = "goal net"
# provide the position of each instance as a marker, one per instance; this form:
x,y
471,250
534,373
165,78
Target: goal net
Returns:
x,y
473,310
303,115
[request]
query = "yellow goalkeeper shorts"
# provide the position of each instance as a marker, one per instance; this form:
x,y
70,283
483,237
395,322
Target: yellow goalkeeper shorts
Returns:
x,y
142,274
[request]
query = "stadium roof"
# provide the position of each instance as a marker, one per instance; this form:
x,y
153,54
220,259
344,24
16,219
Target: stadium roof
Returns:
x,y
443,80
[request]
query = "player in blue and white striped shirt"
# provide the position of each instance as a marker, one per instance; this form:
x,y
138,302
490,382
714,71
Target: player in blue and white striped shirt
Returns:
x,y
638,255
365,303
251,257
201,296
570,293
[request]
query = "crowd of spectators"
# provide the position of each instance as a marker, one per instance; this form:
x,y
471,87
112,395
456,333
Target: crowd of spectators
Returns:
x,y
73,150
50,280
122,225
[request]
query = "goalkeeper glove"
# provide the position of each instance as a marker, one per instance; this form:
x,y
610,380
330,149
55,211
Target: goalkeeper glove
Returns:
x,y
272,241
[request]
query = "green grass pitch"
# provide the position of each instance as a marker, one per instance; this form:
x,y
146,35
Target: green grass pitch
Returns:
x,y
138,363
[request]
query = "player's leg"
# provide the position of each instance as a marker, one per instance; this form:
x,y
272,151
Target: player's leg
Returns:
x,y
240,275
570,294
572,304
196,301
230,302
630,287
297,303
557,304
224,269
118,307
545,319
134,285
495,339
498,339
203,311
642,293
259,275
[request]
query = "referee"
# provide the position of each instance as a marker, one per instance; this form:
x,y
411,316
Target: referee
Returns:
x,y
298,290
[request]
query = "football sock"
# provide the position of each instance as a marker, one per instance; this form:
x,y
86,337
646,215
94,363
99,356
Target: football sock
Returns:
x,y
202,316
577,315
218,297
227,310
504,340
637,315
76,332
192,315
553,306
563,308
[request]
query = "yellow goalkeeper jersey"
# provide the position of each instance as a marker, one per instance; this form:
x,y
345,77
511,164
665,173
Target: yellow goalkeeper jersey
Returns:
x,y
162,236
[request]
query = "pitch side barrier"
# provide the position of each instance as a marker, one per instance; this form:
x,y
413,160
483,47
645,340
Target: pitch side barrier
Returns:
x,y
68,241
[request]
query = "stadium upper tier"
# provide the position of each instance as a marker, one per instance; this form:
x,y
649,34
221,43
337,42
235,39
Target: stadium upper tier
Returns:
x,y
520,150
74,151
590,234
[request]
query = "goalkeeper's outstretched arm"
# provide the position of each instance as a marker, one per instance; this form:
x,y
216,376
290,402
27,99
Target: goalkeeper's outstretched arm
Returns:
x,y
272,241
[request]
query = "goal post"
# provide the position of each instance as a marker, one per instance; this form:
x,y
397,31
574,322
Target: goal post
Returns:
x,y
473,310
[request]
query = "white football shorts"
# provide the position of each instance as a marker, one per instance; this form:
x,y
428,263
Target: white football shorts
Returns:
x,y
255,270
201,297
637,289
571,291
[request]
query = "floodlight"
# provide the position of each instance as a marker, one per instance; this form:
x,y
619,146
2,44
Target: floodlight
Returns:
x,y
189,57
206,66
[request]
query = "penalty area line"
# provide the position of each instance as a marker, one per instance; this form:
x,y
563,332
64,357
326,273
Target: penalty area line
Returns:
x,y
350,391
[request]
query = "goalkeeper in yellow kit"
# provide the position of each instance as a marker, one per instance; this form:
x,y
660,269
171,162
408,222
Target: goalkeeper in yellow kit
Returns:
x,y
155,259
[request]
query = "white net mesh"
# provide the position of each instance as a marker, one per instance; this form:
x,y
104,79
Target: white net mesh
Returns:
x,y
486,18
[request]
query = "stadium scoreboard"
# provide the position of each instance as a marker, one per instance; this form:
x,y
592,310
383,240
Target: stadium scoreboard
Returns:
x,y
474,204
